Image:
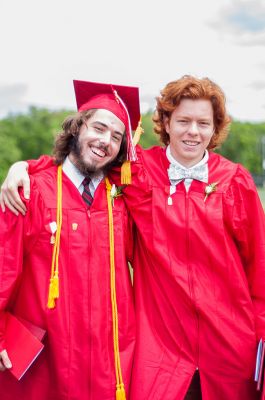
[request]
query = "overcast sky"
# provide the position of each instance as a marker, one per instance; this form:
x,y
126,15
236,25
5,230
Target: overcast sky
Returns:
x,y
47,44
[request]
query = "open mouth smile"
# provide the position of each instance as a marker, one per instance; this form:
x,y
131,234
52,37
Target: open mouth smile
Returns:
x,y
98,152
190,143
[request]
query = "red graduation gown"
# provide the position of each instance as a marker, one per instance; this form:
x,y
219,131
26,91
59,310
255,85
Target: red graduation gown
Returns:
x,y
199,281
78,361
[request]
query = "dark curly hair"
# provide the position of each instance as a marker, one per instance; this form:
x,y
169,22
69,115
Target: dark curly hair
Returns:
x,y
189,87
66,140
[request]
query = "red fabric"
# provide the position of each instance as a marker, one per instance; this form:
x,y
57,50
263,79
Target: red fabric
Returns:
x,y
100,95
78,361
41,163
106,102
199,281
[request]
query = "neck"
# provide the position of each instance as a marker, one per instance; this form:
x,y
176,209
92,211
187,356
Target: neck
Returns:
x,y
185,163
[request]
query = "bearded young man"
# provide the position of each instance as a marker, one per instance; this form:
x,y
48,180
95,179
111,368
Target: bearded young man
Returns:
x,y
84,301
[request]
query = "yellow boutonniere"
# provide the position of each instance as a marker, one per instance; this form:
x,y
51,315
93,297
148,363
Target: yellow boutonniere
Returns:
x,y
210,189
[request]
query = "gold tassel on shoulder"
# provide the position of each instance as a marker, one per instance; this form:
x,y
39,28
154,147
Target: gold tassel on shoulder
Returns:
x,y
126,174
138,133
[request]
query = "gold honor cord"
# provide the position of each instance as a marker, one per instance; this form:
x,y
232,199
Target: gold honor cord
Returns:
x,y
120,390
54,278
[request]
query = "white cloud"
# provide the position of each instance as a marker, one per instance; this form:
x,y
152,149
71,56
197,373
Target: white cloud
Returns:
x,y
12,98
258,85
243,21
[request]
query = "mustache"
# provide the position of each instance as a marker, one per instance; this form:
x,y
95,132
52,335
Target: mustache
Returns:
x,y
77,150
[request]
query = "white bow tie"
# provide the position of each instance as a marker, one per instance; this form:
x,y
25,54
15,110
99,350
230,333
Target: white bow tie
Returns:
x,y
177,174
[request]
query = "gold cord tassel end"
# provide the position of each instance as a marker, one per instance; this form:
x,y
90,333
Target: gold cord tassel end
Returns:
x,y
126,175
120,392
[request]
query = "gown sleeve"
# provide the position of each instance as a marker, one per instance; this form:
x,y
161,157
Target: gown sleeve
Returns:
x,y
247,220
11,255
17,236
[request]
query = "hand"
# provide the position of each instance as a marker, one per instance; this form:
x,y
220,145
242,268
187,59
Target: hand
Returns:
x,y
5,362
9,197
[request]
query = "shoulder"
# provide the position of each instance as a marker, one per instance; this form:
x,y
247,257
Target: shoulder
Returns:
x,y
151,152
228,172
234,180
41,177
218,161
43,162
44,182
151,155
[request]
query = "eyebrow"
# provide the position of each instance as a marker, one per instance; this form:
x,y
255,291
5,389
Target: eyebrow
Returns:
x,y
106,126
187,117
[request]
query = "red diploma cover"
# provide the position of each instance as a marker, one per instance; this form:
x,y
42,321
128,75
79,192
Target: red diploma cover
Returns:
x,y
23,344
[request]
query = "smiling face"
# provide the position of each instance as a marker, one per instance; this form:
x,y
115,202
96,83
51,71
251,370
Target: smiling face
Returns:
x,y
190,129
99,142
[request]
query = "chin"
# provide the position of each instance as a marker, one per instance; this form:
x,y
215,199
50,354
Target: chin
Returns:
x,y
90,166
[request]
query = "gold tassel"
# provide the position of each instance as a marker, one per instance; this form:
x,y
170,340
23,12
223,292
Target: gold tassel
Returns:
x,y
126,175
51,302
138,132
120,392
56,286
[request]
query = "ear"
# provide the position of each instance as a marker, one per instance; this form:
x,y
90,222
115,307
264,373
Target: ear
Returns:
x,y
166,124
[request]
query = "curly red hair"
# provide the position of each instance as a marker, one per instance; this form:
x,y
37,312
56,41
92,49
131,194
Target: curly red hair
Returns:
x,y
189,87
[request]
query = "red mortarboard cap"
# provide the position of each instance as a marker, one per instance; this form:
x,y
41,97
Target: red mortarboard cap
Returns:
x,y
123,101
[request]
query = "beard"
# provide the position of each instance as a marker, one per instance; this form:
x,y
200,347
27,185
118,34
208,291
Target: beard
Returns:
x,y
87,168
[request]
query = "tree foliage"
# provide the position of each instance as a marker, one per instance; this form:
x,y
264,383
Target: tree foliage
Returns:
x,y
26,136
244,145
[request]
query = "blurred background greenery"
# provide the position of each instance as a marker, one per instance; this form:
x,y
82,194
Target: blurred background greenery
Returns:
x,y
25,136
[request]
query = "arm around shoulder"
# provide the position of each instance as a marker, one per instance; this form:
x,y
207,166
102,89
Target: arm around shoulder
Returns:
x,y
18,176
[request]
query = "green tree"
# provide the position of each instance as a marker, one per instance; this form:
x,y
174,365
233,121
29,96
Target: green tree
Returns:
x,y
29,135
9,152
149,138
34,132
243,145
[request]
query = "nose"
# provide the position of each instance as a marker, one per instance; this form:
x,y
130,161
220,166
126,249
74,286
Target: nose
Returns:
x,y
105,138
193,128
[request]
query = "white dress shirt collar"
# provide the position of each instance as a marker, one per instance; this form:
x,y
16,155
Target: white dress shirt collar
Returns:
x,y
76,177
187,181
173,161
